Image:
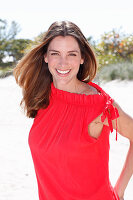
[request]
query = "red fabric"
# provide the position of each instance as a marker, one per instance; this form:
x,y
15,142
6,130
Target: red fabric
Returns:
x,y
69,163
109,111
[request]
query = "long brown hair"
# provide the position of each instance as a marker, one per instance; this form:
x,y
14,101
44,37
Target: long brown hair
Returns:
x,y
32,73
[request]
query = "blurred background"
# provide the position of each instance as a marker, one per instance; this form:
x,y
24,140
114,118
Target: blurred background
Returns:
x,y
108,27
106,24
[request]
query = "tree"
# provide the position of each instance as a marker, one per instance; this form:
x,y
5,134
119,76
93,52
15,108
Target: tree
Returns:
x,y
115,47
11,49
16,48
7,34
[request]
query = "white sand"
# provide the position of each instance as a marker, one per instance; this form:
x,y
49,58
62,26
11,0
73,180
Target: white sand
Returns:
x,y
17,177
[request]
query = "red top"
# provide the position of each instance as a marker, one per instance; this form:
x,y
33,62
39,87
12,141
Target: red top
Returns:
x,y
69,163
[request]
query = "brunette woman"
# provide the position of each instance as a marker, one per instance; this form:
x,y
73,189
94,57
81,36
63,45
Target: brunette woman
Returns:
x,y
69,139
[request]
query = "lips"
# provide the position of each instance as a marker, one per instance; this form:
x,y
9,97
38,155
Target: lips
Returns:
x,y
63,72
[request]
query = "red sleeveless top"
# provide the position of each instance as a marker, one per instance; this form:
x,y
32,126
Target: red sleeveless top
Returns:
x,y
69,163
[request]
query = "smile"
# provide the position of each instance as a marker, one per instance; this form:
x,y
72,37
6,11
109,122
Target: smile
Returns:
x,y
63,72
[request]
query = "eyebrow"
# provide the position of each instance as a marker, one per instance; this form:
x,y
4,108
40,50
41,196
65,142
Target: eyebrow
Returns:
x,y
73,51
68,51
53,50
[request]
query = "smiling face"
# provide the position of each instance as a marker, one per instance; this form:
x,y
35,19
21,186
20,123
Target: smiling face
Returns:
x,y
64,58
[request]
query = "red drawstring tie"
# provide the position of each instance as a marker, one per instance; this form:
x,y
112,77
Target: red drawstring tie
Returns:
x,y
111,113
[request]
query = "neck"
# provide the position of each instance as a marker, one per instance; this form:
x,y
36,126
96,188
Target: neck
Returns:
x,y
71,86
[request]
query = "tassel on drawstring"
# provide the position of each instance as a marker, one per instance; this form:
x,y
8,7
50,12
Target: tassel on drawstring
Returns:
x,y
111,113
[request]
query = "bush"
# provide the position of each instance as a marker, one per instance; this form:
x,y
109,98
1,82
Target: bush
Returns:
x,y
120,71
4,72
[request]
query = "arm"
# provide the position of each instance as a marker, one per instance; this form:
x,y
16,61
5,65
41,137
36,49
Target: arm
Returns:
x,y
125,128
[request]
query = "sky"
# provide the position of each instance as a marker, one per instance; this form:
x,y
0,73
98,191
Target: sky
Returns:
x,y
93,17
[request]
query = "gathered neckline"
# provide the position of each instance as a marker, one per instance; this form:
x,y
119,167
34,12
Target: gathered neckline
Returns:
x,y
76,98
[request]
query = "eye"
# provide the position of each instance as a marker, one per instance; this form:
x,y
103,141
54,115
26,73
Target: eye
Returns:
x,y
54,54
72,54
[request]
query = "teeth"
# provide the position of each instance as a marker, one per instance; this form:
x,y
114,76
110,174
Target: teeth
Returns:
x,y
63,72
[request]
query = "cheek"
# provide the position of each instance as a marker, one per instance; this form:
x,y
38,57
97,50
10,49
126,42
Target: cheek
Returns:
x,y
76,63
53,60
51,63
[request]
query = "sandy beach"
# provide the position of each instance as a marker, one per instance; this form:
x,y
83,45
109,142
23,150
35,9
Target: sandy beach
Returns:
x,y
17,176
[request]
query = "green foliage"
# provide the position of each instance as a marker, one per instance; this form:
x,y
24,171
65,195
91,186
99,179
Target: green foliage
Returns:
x,y
11,49
8,32
6,71
114,50
120,71
16,48
33,43
114,47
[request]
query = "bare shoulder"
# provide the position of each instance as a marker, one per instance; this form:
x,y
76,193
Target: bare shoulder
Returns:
x,y
89,90
124,123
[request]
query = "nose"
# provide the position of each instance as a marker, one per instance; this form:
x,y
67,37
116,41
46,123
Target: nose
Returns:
x,y
63,61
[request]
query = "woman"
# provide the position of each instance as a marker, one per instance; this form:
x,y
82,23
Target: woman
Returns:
x,y
69,139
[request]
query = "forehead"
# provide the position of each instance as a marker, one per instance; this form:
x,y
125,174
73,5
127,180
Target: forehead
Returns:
x,y
60,42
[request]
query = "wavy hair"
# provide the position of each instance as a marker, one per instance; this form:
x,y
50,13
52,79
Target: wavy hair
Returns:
x,y
32,73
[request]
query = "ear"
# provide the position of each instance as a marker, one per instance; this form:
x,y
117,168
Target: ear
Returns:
x,y
45,58
82,61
